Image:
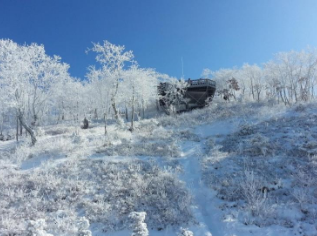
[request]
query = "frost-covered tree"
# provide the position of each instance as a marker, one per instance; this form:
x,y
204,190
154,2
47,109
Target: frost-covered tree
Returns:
x,y
293,75
113,59
5,105
147,88
28,79
225,82
100,92
83,227
254,79
289,78
62,98
132,78
139,88
44,74
173,95
14,64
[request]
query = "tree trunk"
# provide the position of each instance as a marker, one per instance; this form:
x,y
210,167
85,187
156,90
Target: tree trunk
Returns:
x,y
105,118
34,112
113,100
34,120
252,89
21,129
126,114
27,128
116,114
63,111
77,115
17,130
96,114
132,117
157,105
258,95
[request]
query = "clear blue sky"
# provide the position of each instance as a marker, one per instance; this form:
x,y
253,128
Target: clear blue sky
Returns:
x,y
205,33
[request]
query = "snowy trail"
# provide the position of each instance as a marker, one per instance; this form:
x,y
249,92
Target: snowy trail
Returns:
x,y
204,210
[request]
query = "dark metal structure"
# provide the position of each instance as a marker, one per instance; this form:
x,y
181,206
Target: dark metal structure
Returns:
x,y
194,94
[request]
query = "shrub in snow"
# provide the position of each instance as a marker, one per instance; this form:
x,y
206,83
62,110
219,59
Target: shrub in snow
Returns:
x,y
310,144
77,139
161,133
21,153
83,227
66,222
58,130
281,190
302,195
257,145
106,192
246,130
185,232
140,186
189,136
137,224
309,148
144,148
300,108
54,147
40,131
254,193
37,227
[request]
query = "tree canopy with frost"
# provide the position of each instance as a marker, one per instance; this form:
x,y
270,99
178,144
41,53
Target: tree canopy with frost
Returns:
x,y
28,78
113,59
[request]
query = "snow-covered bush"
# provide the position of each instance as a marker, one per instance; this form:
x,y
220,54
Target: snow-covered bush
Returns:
x,y
40,131
256,145
37,227
137,224
143,148
309,147
189,136
185,232
58,130
245,130
139,186
83,227
300,108
104,192
21,153
254,193
161,133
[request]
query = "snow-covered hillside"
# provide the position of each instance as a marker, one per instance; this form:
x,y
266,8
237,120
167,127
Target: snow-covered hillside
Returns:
x,y
229,169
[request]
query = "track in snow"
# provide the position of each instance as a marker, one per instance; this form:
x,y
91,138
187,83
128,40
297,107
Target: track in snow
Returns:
x,y
204,211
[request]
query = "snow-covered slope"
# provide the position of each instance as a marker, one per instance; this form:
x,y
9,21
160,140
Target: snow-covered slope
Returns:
x,y
230,169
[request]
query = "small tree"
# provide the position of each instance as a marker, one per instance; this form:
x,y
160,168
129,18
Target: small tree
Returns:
x,y
37,227
185,232
137,224
112,59
174,95
139,88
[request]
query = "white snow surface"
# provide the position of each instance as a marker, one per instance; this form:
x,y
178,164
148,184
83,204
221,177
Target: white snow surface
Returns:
x,y
214,152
